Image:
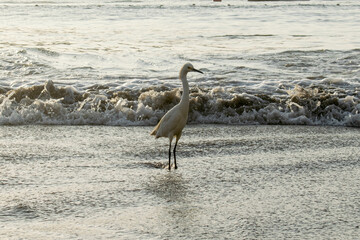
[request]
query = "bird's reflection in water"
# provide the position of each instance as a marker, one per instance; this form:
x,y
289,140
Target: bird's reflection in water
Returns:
x,y
176,212
169,186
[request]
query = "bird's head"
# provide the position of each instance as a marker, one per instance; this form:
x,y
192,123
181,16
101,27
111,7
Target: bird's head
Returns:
x,y
188,67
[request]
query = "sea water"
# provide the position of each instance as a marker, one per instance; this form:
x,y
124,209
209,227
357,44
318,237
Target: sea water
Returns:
x,y
82,83
117,62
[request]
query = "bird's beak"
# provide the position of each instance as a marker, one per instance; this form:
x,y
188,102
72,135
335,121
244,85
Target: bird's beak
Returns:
x,y
195,70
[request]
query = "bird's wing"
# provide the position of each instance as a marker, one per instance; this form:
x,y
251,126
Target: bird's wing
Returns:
x,y
156,128
160,128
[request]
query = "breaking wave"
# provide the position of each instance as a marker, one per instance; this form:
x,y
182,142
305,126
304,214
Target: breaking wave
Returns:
x,y
98,105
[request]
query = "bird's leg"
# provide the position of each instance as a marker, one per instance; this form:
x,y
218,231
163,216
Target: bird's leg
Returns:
x,y
175,152
170,155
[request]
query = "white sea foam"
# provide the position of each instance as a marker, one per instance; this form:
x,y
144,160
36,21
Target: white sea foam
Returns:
x,y
49,104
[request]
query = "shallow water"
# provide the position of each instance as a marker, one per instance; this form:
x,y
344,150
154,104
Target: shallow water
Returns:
x,y
253,182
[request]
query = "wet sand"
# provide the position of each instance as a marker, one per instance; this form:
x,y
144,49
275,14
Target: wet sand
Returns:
x,y
247,182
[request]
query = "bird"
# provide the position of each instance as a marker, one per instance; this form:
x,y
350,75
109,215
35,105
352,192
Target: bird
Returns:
x,y
173,122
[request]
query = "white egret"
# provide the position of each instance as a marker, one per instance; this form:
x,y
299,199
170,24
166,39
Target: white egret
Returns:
x,y
173,122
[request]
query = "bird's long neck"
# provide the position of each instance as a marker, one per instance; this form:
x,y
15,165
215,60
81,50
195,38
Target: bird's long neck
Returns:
x,y
185,95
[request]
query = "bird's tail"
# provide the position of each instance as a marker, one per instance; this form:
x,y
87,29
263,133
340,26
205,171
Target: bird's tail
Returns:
x,y
154,131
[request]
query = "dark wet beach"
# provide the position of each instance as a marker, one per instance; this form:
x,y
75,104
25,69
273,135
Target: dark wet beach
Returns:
x,y
252,182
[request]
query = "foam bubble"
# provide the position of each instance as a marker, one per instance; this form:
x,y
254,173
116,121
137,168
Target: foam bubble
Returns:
x,y
51,104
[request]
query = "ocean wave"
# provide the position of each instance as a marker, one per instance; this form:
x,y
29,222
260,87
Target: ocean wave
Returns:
x,y
57,105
